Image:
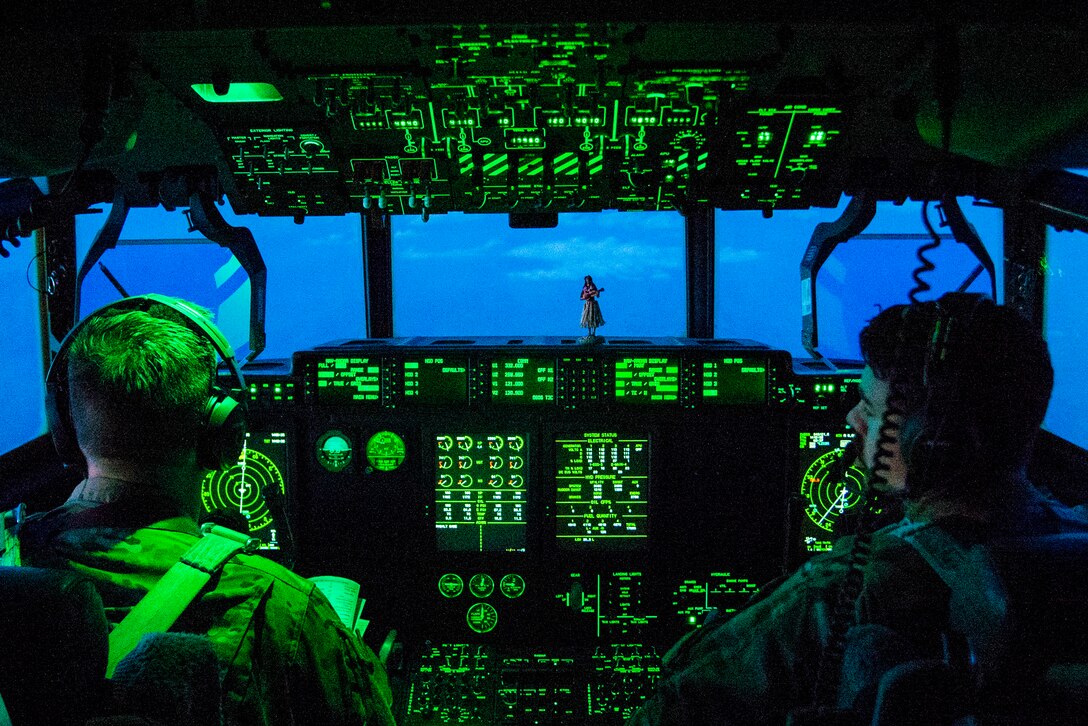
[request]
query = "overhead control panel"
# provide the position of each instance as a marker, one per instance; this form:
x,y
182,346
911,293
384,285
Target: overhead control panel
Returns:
x,y
419,120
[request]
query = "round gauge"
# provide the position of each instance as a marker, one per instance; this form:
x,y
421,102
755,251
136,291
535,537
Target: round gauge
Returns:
x,y
512,585
482,617
517,482
334,451
829,499
241,488
481,585
385,451
451,585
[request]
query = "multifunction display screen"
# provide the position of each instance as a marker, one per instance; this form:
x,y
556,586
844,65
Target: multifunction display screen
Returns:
x,y
255,488
349,380
523,380
435,380
826,493
647,380
734,381
602,490
480,492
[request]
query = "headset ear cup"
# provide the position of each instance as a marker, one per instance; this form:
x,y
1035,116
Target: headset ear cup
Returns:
x,y
59,419
223,433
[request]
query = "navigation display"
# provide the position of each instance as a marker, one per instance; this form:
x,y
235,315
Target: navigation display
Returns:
x,y
344,379
647,380
523,380
255,487
734,381
602,491
480,492
826,497
436,380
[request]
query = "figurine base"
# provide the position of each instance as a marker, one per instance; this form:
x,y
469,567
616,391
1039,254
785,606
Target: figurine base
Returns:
x,y
590,340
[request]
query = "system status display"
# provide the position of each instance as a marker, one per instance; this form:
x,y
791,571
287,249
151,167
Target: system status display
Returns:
x,y
523,380
349,380
734,381
436,380
647,380
602,491
480,492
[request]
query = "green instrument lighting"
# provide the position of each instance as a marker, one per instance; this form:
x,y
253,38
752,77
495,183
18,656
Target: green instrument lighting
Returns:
x,y
385,451
239,93
827,498
481,585
735,381
450,585
348,380
512,586
603,489
482,617
647,380
334,451
436,380
242,488
523,380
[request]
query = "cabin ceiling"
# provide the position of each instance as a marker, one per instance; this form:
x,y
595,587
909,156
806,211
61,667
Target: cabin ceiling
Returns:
x,y
540,108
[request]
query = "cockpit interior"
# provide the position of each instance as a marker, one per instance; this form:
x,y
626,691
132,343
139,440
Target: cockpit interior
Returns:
x,y
390,209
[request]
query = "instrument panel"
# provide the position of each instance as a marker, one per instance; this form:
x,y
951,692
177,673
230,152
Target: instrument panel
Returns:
x,y
540,523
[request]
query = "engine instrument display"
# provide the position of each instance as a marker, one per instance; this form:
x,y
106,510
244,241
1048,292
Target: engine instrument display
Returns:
x,y
734,381
342,380
435,380
826,497
248,486
647,380
480,492
602,490
523,380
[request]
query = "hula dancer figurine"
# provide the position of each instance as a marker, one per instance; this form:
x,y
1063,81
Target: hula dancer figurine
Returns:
x,y
591,311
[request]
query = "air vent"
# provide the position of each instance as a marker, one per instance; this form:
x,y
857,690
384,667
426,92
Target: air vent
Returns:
x,y
453,342
628,341
515,341
365,341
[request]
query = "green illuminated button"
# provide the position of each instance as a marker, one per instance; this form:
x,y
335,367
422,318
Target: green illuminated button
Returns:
x,y
512,585
385,451
451,585
481,585
334,451
482,617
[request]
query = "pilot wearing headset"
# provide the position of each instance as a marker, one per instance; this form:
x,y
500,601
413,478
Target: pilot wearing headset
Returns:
x,y
132,396
952,397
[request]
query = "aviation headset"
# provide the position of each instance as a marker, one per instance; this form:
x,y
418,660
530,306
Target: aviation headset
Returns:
x,y
941,442
223,423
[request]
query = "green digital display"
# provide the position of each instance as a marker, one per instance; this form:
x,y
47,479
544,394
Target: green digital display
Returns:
x,y
523,380
480,492
734,381
602,491
435,380
385,451
349,380
647,380
246,488
825,497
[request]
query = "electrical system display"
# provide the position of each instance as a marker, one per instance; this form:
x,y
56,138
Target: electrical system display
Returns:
x,y
480,492
647,380
435,380
523,380
349,380
255,487
602,490
826,497
734,381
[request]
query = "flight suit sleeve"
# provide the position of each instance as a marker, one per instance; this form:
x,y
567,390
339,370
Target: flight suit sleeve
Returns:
x,y
339,680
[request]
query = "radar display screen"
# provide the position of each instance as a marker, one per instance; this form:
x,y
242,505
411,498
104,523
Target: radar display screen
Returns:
x,y
436,380
734,381
825,499
602,491
480,492
523,380
349,380
647,380
255,487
